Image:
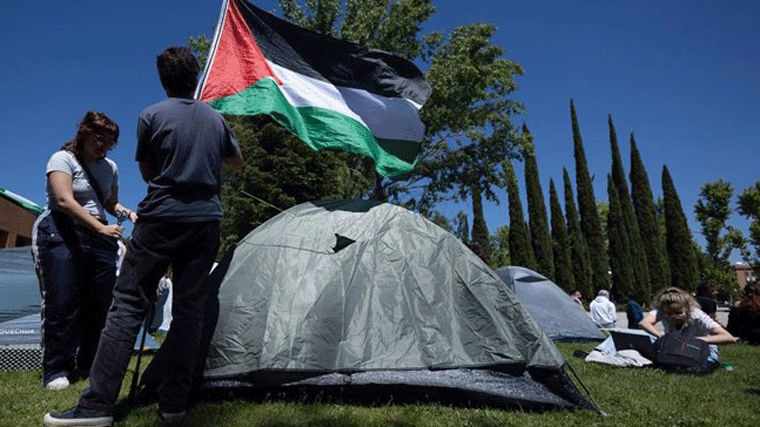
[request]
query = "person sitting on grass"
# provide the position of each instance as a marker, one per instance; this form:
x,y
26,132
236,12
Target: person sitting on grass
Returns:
x,y
744,317
679,313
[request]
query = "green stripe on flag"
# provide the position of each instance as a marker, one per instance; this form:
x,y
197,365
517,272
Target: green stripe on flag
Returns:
x,y
321,128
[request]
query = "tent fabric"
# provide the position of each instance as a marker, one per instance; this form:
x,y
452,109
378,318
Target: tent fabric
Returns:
x,y
19,287
359,292
20,318
550,306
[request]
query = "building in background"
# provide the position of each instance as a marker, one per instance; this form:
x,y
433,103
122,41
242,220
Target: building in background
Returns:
x,y
745,274
17,215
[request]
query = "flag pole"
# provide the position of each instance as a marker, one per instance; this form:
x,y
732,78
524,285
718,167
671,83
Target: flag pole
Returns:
x,y
212,51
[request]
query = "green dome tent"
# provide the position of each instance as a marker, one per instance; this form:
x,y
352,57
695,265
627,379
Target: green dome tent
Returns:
x,y
361,295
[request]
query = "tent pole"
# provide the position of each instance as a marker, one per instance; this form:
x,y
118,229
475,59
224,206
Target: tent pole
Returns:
x,y
588,393
146,324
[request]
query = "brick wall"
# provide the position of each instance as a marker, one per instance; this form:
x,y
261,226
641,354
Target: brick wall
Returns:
x,y
15,225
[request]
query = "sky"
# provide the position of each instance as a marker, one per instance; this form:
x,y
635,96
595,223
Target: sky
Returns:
x,y
683,76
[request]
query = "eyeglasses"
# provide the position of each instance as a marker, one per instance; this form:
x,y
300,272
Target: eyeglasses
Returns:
x,y
103,139
673,313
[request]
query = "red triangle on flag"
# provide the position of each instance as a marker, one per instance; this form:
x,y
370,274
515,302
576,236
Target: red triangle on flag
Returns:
x,y
237,62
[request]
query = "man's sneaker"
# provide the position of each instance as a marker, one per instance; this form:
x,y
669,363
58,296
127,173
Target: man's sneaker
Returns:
x,y
173,417
58,384
77,416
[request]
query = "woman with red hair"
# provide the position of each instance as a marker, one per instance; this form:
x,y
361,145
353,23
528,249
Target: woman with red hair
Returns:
x,y
74,249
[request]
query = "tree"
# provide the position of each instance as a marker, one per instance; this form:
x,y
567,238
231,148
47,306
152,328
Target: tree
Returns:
x,y
590,223
500,248
579,257
462,227
749,206
563,271
630,227
537,219
479,227
684,273
390,25
646,217
468,129
713,210
520,250
279,171
619,245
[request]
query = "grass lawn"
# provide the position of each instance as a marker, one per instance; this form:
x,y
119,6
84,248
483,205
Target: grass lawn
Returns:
x,y
629,397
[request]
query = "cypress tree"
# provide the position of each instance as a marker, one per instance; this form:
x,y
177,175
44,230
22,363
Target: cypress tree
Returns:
x,y
619,245
684,272
563,271
590,222
637,255
479,227
537,218
646,215
520,251
580,262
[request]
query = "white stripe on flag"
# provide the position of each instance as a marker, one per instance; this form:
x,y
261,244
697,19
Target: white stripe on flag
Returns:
x,y
386,118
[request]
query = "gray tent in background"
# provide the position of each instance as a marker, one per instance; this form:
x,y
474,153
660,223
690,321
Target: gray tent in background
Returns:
x,y
19,310
372,298
552,308
20,317
19,288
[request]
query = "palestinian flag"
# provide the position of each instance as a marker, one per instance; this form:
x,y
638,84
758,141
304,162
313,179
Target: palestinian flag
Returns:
x,y
328,92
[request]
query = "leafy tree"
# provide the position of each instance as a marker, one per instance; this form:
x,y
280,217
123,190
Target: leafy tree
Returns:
x,y
279,171
468,129
749,206
469,135
713,210
563,271
500,248
537,218
581,262
683,261
440,220
652,237
619,245
630,226
390,25
520,250
590,222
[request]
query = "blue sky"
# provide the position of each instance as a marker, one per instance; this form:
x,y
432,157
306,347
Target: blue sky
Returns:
x,y
682,75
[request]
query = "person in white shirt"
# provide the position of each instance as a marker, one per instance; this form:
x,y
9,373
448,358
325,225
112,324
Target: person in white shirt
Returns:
x,y
602,310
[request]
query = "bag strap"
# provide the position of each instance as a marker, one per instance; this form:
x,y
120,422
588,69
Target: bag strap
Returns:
x,y
93,182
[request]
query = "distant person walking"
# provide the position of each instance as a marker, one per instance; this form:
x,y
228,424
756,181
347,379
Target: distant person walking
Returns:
x,y
602,310
181,145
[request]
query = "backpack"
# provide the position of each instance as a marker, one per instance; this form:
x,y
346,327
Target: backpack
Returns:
x,y
684,355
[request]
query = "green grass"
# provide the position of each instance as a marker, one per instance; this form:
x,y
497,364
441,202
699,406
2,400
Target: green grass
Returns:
x,y
629,397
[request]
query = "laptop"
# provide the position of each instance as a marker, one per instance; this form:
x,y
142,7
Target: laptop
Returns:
x,y
634,340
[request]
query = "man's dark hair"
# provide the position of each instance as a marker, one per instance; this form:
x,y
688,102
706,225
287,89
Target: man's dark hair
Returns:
x,y
178,69
706,288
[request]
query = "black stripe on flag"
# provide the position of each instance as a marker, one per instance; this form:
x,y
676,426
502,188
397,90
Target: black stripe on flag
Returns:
x,y
340,62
